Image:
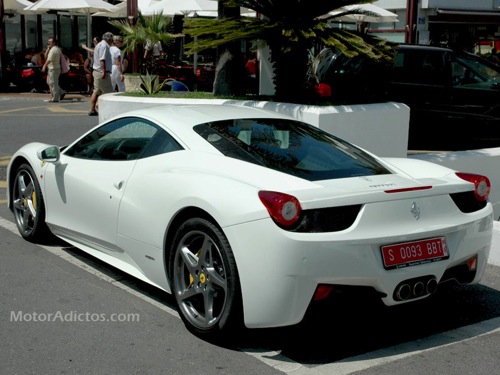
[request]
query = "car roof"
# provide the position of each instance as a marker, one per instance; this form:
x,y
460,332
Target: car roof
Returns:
x,y
180,119
190,115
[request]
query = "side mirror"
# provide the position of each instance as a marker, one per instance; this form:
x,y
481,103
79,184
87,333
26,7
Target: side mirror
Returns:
x,y
50,154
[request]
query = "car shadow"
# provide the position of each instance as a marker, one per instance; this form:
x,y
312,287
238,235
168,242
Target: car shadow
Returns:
x,y
342,328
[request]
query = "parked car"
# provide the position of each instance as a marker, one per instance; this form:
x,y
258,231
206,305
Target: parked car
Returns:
x,y
454,98
248,216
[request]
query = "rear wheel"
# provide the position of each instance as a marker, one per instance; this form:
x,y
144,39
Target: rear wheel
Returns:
x,y
29,210
204,279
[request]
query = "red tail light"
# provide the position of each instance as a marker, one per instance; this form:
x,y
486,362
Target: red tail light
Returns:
x,y
324,90
283,208
482,185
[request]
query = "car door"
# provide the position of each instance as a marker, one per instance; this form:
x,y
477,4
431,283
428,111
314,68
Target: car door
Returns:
x,y
84,191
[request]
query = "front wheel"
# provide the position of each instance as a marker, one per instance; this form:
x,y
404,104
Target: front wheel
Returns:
x,y
204,279
29,209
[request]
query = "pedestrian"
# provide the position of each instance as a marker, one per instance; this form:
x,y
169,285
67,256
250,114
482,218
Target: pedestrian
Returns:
x,y
87,67
118,69
38,58
53,67
64,80
154,51
101,71
89,63
251,68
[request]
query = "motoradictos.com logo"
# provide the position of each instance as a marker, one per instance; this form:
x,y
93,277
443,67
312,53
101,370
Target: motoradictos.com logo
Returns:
x,y
72,316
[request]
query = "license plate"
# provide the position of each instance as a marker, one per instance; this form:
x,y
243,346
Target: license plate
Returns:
x,y
414,253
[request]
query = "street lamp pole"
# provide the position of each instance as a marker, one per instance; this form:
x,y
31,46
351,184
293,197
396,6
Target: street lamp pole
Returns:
x,y
131,11
411,21
2,37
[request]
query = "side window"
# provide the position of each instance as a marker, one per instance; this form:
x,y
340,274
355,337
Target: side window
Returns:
x,y
123,139
401,68
161,143
458,72
420,68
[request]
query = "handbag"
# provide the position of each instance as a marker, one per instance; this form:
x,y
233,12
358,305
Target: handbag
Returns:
x,y
64,64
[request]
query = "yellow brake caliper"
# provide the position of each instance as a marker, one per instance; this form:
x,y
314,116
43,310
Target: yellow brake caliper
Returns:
x,y
33,199
203,278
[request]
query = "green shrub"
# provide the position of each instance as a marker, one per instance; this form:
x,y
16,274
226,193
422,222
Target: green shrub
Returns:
x,y
151,84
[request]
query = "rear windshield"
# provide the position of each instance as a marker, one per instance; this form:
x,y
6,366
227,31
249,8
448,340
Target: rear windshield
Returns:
x,y
290,147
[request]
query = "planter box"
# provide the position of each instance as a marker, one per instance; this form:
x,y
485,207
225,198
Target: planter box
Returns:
x,y
132,82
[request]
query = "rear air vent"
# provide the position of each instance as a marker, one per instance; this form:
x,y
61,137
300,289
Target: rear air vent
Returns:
x,y
467,202
332,219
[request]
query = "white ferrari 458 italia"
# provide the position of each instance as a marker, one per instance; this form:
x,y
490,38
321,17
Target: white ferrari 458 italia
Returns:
x,y
248,216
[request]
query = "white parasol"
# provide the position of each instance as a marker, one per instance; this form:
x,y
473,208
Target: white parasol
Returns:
x,y
183,7
86,7
121,9
368,13
15,5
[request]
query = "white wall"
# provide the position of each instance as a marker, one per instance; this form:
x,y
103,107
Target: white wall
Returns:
x,y
462,4
446,4
391,4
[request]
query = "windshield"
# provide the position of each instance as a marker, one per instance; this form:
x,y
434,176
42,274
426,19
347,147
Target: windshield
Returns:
x,y
291,147
479,70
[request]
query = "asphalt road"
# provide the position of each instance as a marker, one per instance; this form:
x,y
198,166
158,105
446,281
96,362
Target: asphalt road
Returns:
x,y
62,311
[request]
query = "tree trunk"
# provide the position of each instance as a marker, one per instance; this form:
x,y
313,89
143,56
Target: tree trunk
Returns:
x,y
230,74
290,70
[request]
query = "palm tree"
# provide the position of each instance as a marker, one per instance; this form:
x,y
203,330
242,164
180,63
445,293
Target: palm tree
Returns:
x,y
230,73
149,29
291,29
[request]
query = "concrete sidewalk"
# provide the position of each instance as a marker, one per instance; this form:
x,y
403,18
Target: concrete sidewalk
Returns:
x,y
43,96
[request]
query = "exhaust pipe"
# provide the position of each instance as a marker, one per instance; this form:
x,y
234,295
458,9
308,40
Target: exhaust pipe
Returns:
x,y
403,292
431,286
418,289
415,288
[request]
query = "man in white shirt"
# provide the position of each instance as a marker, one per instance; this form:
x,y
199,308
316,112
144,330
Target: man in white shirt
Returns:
x,y
117,71
102,71
53,67
154,51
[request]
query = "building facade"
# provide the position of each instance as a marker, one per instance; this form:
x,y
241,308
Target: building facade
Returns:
x,y
461,24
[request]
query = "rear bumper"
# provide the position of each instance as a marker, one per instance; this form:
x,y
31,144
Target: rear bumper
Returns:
x,y
280,271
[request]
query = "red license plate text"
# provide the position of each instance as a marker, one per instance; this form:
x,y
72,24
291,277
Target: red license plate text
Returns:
x,y
414,253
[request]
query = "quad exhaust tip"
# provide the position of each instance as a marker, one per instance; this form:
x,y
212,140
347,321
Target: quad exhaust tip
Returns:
x,y
415,288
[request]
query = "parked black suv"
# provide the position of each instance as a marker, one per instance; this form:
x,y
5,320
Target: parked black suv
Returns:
x,y
454,98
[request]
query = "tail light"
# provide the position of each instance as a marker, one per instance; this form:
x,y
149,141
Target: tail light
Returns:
x,y
27,73
324,90
284,209
482,185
